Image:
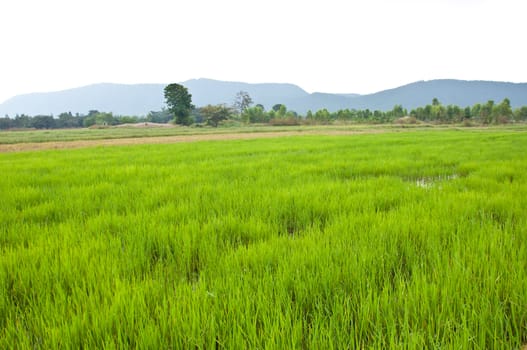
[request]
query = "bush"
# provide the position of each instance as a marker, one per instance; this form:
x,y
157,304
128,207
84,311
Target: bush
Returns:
x,y
406,120
284,121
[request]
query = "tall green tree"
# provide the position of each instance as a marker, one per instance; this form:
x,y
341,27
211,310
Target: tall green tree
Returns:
x,y
398,111
281,111
502,113
485,112
467,113
179,103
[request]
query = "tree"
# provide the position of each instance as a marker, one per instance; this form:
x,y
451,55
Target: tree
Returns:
x,y
88,121
467,113
213,115
281,111
43,122
276,107
5,123
22,121
485,113
502,113
127,119
179,103
242,101
322,116
162,116
67,120
475,111
255,115
520,113
398,111
104,118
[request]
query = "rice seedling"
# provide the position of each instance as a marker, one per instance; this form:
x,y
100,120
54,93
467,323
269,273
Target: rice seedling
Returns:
x,y
396,240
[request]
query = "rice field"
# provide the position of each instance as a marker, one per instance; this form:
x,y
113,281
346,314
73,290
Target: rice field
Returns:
x,y
115,133
405,240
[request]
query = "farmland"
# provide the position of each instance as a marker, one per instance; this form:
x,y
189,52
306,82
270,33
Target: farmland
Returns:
x,y
113,133
387,240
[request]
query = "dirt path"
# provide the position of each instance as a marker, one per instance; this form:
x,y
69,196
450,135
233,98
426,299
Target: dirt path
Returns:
x,y
36,146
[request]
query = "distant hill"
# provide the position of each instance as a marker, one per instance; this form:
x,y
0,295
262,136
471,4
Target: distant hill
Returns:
x,y
457,92
142,98
117,98
207,91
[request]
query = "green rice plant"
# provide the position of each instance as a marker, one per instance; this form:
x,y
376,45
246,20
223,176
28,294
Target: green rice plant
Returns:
x,y
397,240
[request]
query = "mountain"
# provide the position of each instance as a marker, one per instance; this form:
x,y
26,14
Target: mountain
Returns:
x,y
457,92
208,91
117,98
140,99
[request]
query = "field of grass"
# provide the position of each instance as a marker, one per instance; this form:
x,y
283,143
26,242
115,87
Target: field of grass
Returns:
x,y
36,136
12,137
394,240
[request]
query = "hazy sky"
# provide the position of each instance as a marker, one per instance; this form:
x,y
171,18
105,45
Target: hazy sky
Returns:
x,y
359,46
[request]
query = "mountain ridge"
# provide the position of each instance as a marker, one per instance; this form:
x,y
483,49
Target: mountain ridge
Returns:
x,y
140,99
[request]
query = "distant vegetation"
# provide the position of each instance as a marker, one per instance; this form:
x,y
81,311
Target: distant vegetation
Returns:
x,y
140,99
244,112
213,115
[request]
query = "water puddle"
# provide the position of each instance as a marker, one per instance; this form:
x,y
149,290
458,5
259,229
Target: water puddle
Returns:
x,y
430,181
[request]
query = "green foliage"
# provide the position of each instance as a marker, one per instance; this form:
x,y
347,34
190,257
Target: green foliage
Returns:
x,y
242,101
397,112
502,113
394,240
68,120
43,122
488,113
277,107
467,113
255,115
6,123
126,119
162,116
282,111
179,103
104,119
283,117
520,114
323,116
213,115
22,121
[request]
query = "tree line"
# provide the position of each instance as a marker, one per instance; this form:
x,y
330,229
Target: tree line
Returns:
x,y
180,110
67,120
179,102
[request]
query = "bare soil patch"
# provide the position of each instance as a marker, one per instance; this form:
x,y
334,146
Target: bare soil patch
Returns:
x,y
19,147
146,125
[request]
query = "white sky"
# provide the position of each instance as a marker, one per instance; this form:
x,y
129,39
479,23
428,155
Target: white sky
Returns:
x,y
359,46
